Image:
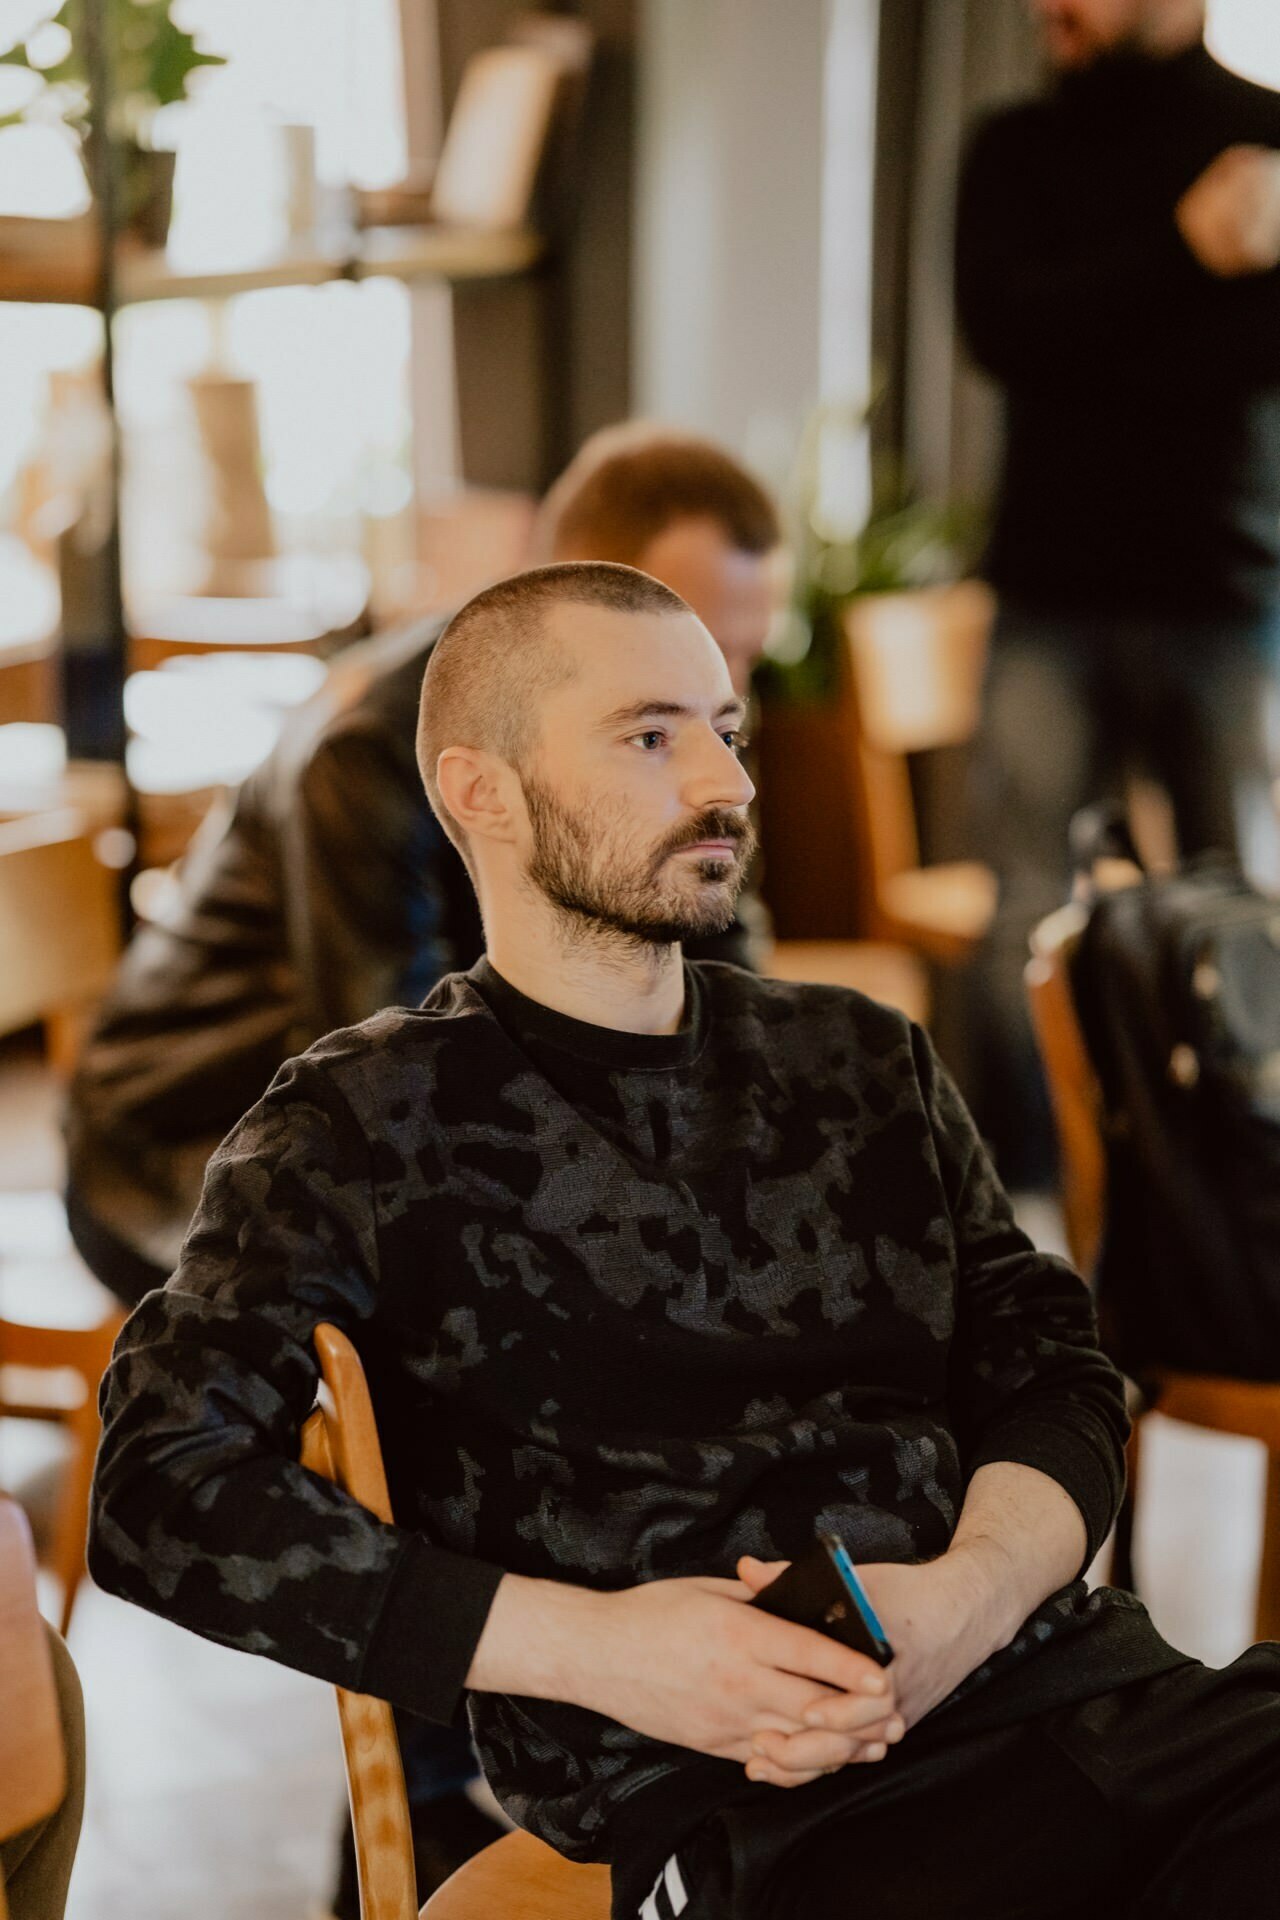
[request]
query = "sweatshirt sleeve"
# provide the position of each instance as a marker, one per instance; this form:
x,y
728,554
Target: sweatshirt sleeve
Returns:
x,y
1028,1383
201,1511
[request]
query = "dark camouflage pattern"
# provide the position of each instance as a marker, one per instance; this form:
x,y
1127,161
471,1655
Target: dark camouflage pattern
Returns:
x,y
631,1306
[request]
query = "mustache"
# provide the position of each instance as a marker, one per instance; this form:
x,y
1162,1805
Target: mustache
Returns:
x,y
715,824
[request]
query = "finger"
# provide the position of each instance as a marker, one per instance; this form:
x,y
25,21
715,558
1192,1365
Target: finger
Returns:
x,y
805,1752
785,1697
886,1732
854,1713
816,1656
764,1771
759,1574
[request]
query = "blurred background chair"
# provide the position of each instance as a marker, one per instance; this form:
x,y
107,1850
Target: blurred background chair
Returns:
x,y
916,666
59,937
1250,1409
59,925
518,1877
35,1777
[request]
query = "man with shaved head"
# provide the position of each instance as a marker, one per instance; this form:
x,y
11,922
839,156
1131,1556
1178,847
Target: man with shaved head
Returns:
x,y
327,890
656,1268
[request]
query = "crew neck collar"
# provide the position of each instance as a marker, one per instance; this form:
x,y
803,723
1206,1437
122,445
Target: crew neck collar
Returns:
x,y
1126,72
527,1019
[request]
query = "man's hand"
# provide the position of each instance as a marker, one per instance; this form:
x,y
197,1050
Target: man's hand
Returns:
x,y
1019,1538
939,1624
1230,215
688,1661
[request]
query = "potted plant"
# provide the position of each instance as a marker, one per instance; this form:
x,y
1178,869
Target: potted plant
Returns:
x,y
151,61
853,530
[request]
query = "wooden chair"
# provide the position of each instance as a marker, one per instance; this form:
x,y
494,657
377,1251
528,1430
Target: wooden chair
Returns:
x,y
916,668
59,924
517,1877
33,1767
59,937
1246,1407
52,1374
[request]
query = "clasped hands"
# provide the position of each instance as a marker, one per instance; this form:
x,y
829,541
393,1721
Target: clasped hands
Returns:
x,y
694,1665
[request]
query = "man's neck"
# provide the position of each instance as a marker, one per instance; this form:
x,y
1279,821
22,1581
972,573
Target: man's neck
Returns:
x,y
590,974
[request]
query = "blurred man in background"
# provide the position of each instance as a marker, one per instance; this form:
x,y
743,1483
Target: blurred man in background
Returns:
x,y
327,891
1117,254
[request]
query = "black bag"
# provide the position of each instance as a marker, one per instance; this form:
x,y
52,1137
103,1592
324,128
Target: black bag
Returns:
x,y
1177,981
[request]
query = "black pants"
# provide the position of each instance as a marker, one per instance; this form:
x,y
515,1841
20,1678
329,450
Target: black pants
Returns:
x,y
1157,1801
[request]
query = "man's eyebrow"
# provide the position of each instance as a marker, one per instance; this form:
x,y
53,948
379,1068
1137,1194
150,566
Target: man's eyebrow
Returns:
x,y
667,710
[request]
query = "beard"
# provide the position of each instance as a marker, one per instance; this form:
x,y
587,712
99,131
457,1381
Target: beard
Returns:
x,y
586,865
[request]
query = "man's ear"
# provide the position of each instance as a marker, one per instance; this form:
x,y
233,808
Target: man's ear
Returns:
x,y
476,787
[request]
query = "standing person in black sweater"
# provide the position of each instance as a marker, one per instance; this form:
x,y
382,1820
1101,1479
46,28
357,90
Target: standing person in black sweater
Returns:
x,y
655,1267
1117,272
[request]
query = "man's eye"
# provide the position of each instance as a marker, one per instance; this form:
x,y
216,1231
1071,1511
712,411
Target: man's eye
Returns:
x,y
652,737
735,740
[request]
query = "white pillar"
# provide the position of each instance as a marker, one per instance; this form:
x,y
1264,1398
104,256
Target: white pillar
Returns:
x,y
730,217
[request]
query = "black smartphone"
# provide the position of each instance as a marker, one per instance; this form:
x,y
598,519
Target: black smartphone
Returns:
x,y
823,1591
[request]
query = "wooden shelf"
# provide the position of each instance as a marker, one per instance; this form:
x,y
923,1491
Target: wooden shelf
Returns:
x,y
68,273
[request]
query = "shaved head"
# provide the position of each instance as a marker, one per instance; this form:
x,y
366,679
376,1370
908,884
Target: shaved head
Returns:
x,y
497,660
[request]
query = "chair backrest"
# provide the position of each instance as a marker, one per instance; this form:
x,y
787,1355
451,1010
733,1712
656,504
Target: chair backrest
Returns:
x,y
340,1441
33,1768
59,918
512,122
916,665
496,137
1073,1085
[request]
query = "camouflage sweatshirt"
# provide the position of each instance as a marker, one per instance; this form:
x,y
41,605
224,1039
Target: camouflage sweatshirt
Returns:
x,y
630,1305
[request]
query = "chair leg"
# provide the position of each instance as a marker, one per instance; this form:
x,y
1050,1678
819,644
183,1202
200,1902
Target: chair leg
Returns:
x,y
1267,1619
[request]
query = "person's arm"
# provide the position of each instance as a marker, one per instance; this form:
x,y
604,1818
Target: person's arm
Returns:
x,y
201,1511
203,1514
1034,303
1020,1538
685,1661
1027,1381
1039,1419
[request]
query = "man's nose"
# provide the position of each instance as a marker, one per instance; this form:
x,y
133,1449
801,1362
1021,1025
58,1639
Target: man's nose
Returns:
x,y
717,778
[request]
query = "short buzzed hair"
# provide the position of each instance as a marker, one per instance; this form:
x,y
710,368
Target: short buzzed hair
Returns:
x,y
495,660
629,483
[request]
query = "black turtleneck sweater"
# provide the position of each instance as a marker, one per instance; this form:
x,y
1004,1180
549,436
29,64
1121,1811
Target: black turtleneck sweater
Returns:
x,y
1142,468
630,1305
